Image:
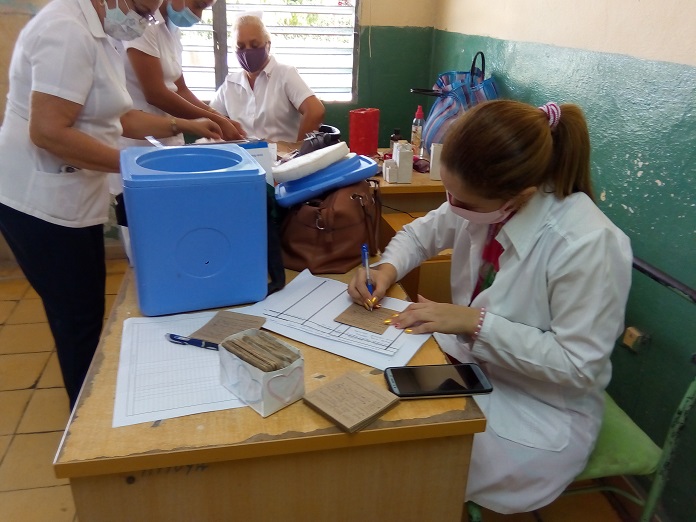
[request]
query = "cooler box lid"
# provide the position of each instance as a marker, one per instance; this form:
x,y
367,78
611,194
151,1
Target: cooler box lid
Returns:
x,y
340,174
187,165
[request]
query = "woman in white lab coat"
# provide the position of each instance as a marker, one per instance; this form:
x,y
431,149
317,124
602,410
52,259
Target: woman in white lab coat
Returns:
x,y
540,279
67,107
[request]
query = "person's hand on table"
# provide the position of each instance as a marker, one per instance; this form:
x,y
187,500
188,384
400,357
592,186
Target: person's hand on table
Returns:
x,y
231,130
427,316
203,127
383,277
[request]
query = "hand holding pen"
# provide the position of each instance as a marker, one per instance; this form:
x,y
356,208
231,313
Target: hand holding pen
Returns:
x,y
381,277
368,282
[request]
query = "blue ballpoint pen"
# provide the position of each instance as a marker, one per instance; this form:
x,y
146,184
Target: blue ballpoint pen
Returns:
x,y
366,264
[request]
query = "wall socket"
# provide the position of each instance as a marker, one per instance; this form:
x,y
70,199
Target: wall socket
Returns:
x,y
634,339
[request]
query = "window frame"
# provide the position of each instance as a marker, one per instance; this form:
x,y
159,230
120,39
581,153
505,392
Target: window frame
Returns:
x,y
221,48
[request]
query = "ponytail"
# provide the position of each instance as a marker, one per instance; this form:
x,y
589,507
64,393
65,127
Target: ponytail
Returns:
x,y
499,148
569,170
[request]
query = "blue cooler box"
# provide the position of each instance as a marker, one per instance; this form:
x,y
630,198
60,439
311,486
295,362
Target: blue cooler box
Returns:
x,y
197,223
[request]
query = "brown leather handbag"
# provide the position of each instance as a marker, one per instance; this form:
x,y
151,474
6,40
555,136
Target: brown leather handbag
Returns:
x,y
326,233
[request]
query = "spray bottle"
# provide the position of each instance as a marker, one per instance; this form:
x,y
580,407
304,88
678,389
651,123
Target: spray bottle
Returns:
x,y
417,132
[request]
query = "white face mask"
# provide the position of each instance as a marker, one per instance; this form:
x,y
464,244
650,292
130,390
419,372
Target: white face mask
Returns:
x,y
123,26
481,218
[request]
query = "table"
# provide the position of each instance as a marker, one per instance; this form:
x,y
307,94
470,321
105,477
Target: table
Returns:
x,y
409,465
421,195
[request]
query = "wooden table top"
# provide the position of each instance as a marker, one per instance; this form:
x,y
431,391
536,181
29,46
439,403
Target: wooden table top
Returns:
x,y
90,446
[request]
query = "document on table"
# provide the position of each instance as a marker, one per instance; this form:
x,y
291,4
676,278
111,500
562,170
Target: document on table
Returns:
x,y
305,311
160,380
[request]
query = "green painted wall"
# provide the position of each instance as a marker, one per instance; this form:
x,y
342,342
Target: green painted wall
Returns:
x,y
400,59
643,128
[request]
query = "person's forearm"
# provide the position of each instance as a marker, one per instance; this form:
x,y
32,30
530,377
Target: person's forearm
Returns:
x,y
187,95
139,124
308,123
180,106
79,150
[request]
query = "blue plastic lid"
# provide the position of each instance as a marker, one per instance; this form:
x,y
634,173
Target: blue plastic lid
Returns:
x,y
342,173
188,164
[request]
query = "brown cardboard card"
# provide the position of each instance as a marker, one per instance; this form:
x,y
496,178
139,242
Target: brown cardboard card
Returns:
x,y
370,320
226,323
351,401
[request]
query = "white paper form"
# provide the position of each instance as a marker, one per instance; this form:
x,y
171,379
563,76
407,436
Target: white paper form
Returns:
x,y
305,310
159,380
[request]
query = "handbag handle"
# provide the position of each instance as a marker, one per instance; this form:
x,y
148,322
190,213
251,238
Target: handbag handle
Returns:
x,y
426,92
473,67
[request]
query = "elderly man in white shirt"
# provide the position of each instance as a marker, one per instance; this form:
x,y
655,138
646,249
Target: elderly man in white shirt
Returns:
x,y
268,98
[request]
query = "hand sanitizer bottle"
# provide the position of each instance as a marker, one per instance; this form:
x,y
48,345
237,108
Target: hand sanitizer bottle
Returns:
x,y
417,132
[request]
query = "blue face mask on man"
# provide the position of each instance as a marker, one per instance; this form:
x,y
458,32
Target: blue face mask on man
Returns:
x,y
184,18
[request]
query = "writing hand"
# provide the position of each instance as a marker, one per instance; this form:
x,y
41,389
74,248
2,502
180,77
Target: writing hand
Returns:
x,y
382,276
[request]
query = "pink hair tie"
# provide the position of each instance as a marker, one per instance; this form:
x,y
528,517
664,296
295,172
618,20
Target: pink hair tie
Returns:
x,y
553,113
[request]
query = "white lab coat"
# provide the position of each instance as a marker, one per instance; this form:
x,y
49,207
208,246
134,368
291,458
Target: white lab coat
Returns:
x,y
62,51
554,312
269,110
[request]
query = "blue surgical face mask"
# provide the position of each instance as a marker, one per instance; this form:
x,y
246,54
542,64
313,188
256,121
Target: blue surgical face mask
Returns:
x,y
184,18
123,26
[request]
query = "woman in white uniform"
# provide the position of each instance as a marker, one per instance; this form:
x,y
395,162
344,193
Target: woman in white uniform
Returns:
x,y
268,98
67,107
540,279
154,75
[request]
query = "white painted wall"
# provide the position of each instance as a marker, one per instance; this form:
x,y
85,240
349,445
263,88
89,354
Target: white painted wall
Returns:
x,y
399,13
663,30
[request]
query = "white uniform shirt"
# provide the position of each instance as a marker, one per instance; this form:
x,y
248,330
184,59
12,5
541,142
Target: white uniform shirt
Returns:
x,y
554,311
269,111
63,51
162,41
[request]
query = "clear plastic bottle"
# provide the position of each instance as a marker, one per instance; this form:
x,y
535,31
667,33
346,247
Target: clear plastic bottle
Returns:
x,y
395,138
417,132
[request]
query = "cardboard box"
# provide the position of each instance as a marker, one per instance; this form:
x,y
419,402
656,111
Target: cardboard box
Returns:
x,y
403,156
265,392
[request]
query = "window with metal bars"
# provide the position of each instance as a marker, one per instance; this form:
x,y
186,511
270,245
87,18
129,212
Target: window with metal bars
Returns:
x,y
318,37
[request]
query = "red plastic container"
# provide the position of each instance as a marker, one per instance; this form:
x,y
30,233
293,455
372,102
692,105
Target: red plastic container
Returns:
x,y
363,130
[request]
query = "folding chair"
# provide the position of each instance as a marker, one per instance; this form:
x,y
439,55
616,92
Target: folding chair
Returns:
x,y
624,449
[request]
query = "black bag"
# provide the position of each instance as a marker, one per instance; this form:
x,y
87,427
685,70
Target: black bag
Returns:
x,y
325,136
275,216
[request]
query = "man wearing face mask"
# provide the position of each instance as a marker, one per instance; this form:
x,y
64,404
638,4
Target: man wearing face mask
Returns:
x,y
268,98
67,107
153,70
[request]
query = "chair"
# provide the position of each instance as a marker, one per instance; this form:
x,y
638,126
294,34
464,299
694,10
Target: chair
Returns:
x,y
624,449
